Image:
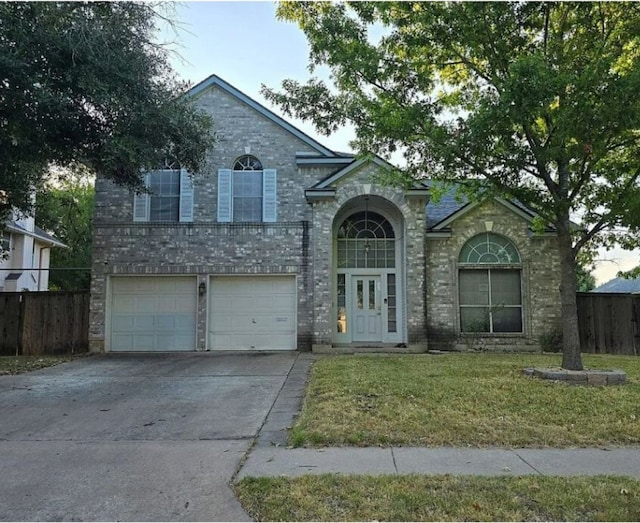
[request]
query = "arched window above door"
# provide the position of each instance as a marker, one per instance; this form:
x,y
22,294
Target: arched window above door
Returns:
x,y
366,225
366,240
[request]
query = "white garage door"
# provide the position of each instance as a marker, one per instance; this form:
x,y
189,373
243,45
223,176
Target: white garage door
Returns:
x,y
153,313
252,313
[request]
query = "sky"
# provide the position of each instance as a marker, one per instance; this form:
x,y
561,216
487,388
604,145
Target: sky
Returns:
x,y
244,44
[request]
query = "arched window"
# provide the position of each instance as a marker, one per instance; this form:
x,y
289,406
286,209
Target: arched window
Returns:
x,y
247,163
366,241
490,286
247,189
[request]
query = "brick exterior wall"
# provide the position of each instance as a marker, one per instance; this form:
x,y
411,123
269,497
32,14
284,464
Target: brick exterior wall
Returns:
x,y
410,212
540,282
301,243
206,247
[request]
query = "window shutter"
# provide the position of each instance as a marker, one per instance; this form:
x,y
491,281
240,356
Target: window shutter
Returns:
x,y
141,204
269,196
186,196
224,195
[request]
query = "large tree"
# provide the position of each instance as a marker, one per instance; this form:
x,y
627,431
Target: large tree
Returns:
x,y
533,101
86,83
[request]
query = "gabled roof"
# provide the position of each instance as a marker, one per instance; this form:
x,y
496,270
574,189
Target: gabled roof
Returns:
x,y
452,206
619,285
38,233
215,80
326,188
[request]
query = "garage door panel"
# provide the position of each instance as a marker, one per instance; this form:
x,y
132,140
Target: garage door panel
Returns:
x,y
234,305
253,312
122,323
153,313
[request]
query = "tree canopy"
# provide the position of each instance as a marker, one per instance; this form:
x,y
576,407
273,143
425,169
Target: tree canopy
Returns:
x,y
536,101
84,83
65,209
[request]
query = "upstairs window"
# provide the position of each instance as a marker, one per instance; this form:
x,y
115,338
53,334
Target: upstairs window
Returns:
x,y
247,193
247,189
489,282
170,197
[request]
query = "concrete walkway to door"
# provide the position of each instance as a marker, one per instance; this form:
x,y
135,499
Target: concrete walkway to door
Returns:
x,y
133,437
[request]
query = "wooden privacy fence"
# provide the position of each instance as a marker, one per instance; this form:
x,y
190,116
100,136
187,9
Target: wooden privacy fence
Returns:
x,y
35,323
609,323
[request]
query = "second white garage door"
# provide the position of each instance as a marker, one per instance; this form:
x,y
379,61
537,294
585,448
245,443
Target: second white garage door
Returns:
x,y
252,313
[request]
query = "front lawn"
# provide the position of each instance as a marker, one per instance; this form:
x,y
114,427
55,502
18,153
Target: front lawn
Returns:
x,y
475,400
440,498
21,364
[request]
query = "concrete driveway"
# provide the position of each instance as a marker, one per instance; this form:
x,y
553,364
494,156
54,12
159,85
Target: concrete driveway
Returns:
x,y
144,437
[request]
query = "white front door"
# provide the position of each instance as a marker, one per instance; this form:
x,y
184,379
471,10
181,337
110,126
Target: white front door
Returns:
x,y
366,308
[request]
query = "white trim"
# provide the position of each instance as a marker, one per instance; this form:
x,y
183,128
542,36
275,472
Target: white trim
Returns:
x,y
16,229
323,161
472,205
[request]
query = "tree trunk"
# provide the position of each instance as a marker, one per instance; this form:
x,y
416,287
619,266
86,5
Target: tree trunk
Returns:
x,y
571,357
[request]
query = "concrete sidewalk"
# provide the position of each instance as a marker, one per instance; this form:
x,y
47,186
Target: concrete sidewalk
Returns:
x,y
271,457
278,461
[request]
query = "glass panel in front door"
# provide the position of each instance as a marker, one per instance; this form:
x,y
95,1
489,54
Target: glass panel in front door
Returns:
x,y
367,314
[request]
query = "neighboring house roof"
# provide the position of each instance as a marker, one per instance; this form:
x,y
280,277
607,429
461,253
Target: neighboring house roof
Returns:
x,y
38,233
622,285
215,80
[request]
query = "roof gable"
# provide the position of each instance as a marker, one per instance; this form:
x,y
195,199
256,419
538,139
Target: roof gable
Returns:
x,y
39,234
452,206
216,81
326,188
343,173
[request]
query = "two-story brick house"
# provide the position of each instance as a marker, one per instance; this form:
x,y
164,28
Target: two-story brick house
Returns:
x,y
283,244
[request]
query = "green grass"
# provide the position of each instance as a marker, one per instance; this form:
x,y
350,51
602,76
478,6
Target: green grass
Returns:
x,y
475,400
440,498
21,364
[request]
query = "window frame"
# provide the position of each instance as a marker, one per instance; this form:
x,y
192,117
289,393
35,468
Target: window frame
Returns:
x,y
142,202
366,240
156,199
243,167
227,212
511,264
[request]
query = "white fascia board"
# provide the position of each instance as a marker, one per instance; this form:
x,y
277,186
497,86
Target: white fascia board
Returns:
x,y
471,205
418,192
318,195
442,224
217,81
16,229
323,161
517,210
354,165
438,235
